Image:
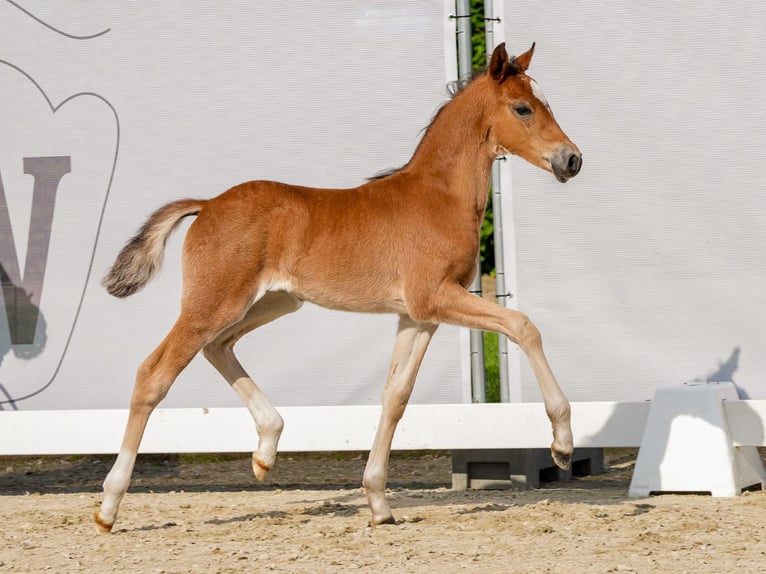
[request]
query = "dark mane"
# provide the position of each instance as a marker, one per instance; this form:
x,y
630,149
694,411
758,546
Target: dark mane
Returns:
x,y
386,172
452,89
512,68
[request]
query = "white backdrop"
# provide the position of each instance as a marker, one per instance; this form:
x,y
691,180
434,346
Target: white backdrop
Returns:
x,y
109,110
644,270
647,269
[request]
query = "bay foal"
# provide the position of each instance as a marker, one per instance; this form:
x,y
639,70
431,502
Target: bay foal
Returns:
x,y
404,243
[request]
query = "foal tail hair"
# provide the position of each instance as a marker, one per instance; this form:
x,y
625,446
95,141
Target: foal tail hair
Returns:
x,y
141,257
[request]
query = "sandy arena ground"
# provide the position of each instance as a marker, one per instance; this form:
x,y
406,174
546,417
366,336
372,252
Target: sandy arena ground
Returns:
x,y
311,516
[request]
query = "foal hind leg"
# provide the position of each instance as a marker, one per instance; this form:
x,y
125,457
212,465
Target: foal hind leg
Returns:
x,y
412,340
153,380
220,353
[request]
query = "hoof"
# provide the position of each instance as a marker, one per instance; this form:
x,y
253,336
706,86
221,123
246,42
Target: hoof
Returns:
x,y
390,521
260,470
101,526
562,459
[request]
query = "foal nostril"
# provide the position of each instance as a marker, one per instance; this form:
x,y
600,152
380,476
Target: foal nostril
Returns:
x,y
574,163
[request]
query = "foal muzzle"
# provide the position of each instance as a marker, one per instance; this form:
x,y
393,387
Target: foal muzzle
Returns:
x,y
566,162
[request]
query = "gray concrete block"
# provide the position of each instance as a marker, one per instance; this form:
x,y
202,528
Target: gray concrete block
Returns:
x,y
518,468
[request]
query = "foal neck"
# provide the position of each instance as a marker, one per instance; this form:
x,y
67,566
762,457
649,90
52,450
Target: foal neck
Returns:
x,y
456,149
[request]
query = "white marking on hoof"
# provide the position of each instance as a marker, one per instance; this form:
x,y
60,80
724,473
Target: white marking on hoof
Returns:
x,y
260,469
101,526
562,459
390,521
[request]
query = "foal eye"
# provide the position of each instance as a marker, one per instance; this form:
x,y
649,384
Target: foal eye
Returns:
x,y
522,110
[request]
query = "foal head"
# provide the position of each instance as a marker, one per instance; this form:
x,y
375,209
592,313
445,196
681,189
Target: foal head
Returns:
x,y
521,121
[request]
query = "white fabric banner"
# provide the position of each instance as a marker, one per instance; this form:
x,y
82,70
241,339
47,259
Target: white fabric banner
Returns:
x,y
647,269
109,110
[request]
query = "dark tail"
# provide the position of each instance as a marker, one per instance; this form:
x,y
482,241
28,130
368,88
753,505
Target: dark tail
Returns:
x,y
141,257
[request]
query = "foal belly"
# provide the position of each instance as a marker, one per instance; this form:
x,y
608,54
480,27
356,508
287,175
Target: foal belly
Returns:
x,y
360,299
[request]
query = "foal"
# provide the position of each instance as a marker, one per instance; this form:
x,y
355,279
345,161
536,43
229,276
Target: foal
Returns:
x,y
405,243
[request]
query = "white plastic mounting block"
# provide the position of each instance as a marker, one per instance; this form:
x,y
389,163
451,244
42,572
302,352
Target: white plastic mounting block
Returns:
x,y
687,446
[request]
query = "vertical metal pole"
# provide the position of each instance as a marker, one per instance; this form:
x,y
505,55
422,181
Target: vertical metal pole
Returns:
x,y
465,70
497,218
500,285
489,28
464,47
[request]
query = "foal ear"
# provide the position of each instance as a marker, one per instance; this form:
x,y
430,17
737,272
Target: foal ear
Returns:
x,y
524,60
498,63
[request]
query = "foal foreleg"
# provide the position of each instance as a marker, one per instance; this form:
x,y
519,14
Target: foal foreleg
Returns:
x,y
412,340
453,304
220,353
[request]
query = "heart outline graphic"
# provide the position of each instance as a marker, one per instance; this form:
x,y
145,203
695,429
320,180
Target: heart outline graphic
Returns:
x,y
54,109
